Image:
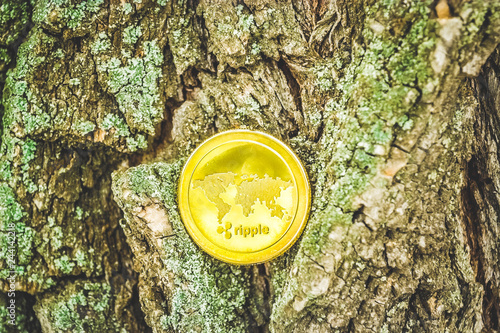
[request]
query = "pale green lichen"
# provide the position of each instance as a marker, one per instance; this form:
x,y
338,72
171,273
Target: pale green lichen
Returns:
x,y
127,8
68,311
240,36
131,34
4,56
246,21
29,149
83,127
377,92
40,280
57,237
101,44
135,87
139,143
126,54
185,44
405,123
256,48
10,210
79,213
112,121
74,81
252,106
5,172
14,15
324,76
69,13
81,258
64,264
208,294
21,105
59,53
368,110
11,215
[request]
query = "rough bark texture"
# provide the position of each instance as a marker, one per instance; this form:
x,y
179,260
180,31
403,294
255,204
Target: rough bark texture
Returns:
x,y
393,106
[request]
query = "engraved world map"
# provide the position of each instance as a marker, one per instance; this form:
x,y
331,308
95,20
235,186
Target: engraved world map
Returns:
x,y
265,196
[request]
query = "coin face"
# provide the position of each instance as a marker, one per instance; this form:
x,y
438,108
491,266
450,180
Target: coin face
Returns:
x,y
244,197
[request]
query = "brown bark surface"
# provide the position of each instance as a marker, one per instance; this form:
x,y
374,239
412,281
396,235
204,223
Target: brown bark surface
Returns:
x,y
393,106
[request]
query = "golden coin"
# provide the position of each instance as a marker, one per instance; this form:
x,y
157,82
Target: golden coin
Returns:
x,y
244,197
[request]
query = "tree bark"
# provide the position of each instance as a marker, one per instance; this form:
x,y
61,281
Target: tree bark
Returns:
x,y
393,106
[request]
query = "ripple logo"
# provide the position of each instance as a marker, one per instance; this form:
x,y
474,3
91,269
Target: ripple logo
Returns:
x,y
226,231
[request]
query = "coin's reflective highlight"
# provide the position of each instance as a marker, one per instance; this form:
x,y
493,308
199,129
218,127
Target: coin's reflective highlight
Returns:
x,y
244,196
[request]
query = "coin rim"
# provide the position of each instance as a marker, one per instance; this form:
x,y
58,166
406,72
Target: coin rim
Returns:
x,y
272,251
